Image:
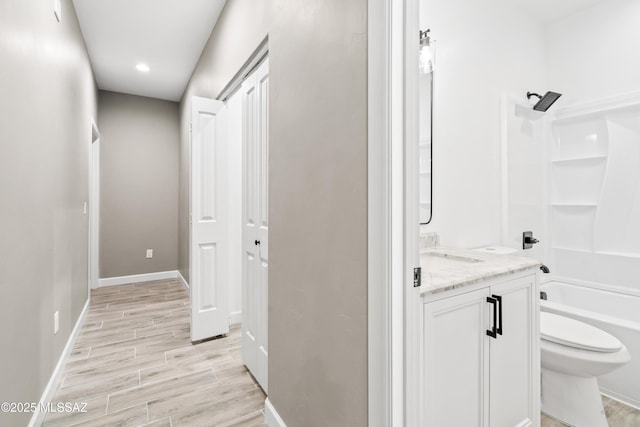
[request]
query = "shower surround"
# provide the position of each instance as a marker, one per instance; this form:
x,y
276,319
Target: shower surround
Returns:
x,y
595,192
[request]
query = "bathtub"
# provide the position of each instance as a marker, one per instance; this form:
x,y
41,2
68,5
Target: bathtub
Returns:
x,y
614,312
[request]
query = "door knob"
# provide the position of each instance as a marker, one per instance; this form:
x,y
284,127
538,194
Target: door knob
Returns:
x,y
257,242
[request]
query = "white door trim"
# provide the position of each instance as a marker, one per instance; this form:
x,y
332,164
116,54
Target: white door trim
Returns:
x,y
94,206
393,208
381,410
254,61
411,230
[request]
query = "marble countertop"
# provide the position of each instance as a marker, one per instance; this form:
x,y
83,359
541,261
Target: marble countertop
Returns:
x,y
444,269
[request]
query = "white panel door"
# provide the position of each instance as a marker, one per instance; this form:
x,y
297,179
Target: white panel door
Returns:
x,y
255,350
209,245
456,361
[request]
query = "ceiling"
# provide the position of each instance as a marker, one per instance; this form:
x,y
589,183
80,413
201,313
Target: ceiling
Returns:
x,y
167,35
551,10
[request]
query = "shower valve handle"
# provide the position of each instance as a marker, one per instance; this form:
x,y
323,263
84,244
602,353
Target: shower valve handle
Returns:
x,y
528,240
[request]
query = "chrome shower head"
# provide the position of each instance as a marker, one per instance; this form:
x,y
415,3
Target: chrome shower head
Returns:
x,y
545,101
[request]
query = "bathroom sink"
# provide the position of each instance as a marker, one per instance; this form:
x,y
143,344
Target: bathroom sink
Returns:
x,y
433,261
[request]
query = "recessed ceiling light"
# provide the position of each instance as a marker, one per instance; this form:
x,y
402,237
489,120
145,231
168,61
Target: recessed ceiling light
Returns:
x,y
143,68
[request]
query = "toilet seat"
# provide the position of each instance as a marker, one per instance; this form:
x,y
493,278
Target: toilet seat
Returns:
x,y
576,334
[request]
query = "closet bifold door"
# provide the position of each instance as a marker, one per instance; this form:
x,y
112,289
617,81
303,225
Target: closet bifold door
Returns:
x,y
255,202
209,223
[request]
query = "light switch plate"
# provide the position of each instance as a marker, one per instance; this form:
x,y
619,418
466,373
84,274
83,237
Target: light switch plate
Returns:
x,y
57,10
149,253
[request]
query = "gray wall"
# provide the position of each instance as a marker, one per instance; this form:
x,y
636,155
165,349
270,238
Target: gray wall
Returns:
x,y
138,184
318,213
318,204
48,98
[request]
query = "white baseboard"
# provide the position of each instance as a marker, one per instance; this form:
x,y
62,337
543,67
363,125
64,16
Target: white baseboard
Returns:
x,y
136,278
184,282
271,415
52,386
235,317
620,398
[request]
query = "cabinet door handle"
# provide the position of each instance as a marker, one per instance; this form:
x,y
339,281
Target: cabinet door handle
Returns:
x,y
498,298
492,332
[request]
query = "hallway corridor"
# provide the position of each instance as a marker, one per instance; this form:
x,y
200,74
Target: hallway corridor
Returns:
x,y
134,365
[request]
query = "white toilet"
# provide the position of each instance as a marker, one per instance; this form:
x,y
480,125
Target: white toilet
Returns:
x,y
573,354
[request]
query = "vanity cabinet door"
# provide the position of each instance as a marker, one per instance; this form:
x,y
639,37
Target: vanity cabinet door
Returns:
x,y
456,361
514,360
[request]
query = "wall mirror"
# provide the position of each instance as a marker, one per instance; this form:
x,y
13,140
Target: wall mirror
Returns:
x,y
426,72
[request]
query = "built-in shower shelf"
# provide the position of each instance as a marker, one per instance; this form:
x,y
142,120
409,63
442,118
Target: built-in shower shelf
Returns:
x,y
593,175
579,159
564,248
619,254
574,205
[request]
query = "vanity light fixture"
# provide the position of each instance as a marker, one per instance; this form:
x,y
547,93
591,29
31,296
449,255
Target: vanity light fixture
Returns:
x,y
143,68
427,52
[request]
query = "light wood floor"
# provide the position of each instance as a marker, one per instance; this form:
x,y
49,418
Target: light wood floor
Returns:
x,y
618,415
134,365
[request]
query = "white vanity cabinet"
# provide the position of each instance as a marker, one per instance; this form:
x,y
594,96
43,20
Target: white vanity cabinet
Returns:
x,y
471,378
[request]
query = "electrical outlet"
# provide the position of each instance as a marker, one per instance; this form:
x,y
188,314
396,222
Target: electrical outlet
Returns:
x,y
149,253
56,322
